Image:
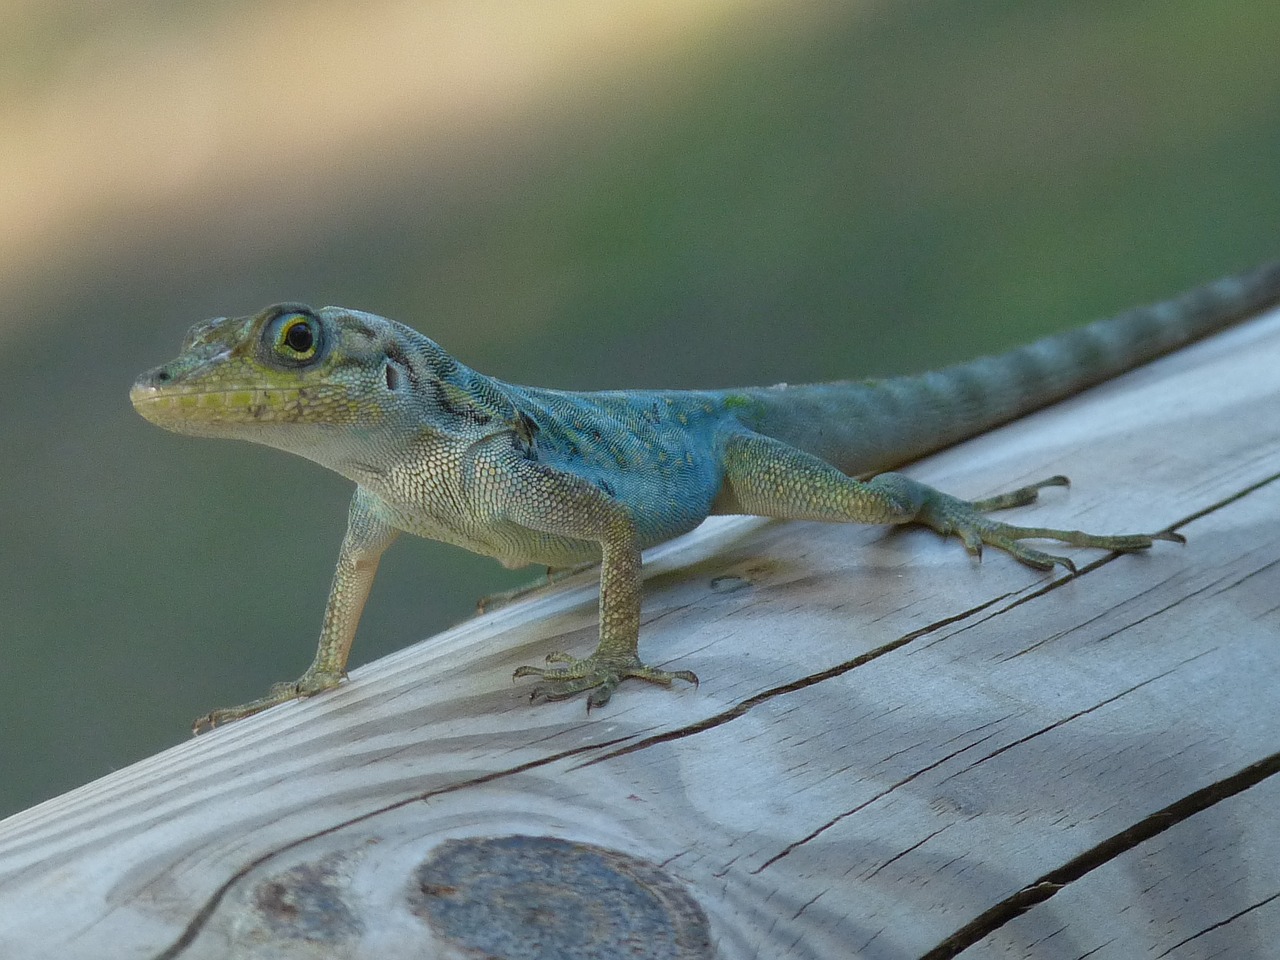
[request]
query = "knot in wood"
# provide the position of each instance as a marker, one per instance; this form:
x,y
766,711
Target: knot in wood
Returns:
x,y
542,898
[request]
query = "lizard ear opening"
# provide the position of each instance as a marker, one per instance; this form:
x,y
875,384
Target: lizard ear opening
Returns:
x,y
392,376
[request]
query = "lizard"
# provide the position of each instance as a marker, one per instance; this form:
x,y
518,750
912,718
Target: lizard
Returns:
x,y
559,478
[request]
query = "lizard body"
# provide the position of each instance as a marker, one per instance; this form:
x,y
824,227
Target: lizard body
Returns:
x,y
531,475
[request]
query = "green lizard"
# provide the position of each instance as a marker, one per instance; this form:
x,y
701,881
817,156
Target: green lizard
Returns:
x,y
551,477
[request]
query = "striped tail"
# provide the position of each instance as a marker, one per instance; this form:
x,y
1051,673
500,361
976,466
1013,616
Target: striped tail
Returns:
x,y
866,427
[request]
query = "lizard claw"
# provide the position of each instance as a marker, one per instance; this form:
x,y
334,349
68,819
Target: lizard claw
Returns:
x,y
967,520
598,674
310,683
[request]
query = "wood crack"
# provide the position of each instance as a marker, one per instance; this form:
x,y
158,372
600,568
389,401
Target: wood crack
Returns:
x,y
1089,953
1266,568
744,706
818,831
1226,501
902,853
1221,923
1050,883
1075,716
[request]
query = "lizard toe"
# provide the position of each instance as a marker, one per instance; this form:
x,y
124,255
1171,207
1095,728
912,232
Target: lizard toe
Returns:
x,y
600,675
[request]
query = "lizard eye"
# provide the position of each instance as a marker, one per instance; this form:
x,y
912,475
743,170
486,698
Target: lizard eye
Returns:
x,y
297,337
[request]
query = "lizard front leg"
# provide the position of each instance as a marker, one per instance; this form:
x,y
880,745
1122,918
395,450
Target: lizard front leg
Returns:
x,y
768,478
552,501
368,535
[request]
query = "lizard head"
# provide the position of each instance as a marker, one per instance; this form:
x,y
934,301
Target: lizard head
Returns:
x,y
333,385
289,377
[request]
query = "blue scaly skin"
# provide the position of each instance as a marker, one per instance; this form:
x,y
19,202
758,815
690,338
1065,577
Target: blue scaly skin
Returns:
x,y
558,478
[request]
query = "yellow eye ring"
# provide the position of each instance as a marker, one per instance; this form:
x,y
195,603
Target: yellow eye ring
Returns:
x,y
297,339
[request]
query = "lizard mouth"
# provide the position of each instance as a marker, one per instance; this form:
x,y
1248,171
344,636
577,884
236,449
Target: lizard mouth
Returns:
x,y
235,409
175,406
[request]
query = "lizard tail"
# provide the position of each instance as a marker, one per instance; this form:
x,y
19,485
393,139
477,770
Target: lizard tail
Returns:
x,y
869,426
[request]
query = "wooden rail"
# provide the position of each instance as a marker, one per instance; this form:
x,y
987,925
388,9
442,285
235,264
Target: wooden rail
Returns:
x,y
895,752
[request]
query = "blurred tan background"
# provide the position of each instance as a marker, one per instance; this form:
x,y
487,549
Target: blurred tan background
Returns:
x,y
576,193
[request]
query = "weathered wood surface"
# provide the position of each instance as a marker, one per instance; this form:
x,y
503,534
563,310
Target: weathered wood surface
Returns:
x,y
893,750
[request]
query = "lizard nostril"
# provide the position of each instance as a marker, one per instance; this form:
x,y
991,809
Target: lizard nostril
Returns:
x,y
162,376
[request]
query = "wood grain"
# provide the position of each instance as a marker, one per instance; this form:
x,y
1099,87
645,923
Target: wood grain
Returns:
x,y
1205,888
893,751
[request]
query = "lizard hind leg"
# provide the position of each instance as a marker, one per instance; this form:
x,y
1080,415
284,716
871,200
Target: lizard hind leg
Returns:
x,y
770,478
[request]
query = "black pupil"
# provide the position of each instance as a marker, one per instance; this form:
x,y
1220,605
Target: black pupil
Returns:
x,y
299,337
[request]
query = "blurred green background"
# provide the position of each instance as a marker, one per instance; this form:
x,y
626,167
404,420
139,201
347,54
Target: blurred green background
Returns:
x,y
575,193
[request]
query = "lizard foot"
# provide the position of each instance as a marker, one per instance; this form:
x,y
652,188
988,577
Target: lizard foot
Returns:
x,y
598,673
966,520
310,683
